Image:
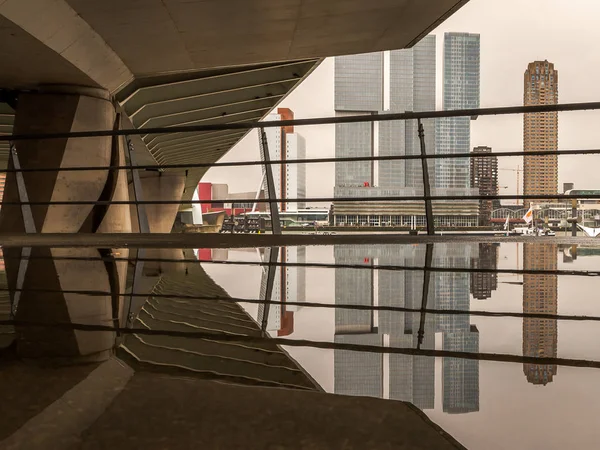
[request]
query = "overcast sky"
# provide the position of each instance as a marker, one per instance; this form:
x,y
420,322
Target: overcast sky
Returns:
x,y
513,33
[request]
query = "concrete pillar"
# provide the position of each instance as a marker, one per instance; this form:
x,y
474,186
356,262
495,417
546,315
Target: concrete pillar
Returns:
x,y
159,186
57,110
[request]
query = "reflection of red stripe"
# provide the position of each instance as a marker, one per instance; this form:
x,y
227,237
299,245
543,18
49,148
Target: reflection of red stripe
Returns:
x,y
287,324
205,254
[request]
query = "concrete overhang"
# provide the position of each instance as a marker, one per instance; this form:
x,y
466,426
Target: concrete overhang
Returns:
x,y
176,62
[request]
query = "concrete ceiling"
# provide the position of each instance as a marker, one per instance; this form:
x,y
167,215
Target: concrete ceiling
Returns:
x,y
198,34
176,62
242,94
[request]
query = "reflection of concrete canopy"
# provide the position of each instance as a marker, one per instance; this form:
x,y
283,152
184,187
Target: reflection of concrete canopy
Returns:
x,y
196,62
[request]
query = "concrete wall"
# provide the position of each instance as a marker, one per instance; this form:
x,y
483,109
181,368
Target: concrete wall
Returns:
x,y
159,186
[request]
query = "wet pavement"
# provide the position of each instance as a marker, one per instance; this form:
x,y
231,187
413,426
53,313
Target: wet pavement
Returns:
x,y
477,344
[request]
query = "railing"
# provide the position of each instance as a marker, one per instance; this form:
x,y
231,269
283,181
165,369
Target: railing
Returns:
x,y
427,199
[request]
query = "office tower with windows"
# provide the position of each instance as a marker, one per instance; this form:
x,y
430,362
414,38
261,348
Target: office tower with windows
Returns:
x,y
411,88
461,81
284,143
396,81
540,131
484,178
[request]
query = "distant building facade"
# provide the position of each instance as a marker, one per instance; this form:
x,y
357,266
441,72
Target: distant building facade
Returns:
x,y
286,144
540,131
460,91
359,89
209,192
484,178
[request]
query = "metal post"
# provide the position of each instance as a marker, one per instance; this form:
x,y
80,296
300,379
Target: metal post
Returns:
x,y
137,190
426,278
272,268
29,225
574,216
273,207
426,185
144,228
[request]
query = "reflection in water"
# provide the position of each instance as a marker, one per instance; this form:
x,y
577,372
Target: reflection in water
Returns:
x,y
483,283
51,270
400,377
383,375
540,295
289,286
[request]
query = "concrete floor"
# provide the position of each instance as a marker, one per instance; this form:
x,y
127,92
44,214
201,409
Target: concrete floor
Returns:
x,y
158,412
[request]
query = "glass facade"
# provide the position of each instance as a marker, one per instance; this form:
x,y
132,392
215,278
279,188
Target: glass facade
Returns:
x,y
359,82
359,88
353,140
461,91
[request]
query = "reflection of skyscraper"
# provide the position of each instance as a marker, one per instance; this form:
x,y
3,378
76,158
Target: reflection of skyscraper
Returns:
x,y
399,377
540,295
289,286
461,376
402,377
483,283
451,292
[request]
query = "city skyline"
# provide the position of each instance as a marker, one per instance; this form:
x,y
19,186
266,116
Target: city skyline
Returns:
x,y
504,57
399,81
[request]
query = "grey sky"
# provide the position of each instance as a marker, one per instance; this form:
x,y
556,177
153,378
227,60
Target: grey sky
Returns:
x,y
513,33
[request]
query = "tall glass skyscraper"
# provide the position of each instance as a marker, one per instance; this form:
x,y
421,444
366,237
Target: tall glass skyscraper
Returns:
x,y
461,91
359,88
395,81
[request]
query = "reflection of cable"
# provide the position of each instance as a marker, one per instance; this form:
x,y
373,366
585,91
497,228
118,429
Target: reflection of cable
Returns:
x,y
498,357
334,306
585,273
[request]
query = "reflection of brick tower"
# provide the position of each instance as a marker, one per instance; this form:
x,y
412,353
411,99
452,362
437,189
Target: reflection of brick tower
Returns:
x,y
540,295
